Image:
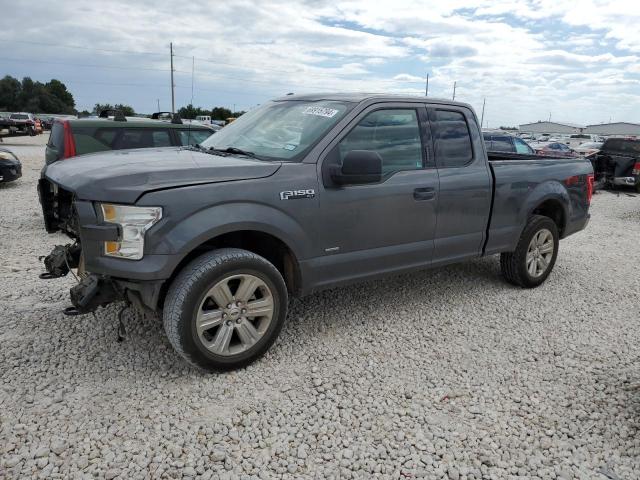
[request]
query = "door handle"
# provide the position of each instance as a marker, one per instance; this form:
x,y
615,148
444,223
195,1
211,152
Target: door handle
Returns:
x,y
425,193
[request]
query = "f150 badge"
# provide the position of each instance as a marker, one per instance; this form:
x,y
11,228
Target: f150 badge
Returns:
x,y
297,194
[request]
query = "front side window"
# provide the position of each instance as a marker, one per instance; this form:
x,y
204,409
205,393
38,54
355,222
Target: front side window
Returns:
x,y
281,130
452,139
522,147
393,134
193,137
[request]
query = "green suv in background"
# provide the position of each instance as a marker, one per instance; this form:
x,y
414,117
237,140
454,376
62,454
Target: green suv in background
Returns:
x,y
72,137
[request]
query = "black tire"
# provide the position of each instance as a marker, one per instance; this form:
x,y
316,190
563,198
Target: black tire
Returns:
x,y
514,264
190,287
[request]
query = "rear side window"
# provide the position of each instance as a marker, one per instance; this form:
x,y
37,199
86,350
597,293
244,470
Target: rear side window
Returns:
x,y
161,138
141,138
56,138
452,139
193,137
501,144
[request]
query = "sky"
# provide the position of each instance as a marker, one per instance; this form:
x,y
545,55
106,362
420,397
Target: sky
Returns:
x,y
574,61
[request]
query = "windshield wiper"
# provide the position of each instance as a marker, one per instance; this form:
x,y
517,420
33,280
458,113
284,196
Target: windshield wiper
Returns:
x,y
236,150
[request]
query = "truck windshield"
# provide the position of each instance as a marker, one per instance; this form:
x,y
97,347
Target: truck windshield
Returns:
x,y
279,130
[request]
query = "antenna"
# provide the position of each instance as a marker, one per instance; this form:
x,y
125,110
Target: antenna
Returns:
x,y
426,91
454,90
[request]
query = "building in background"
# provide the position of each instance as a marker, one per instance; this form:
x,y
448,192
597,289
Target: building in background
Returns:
x,y
623,129
551,127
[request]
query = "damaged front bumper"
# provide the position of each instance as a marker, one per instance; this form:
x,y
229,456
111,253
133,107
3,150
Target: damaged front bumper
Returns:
x,y
95,290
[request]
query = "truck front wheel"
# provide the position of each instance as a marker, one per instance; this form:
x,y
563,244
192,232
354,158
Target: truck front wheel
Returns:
x,y
535,255
225,309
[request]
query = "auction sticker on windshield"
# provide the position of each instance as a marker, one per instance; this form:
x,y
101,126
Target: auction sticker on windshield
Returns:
x,y
320,111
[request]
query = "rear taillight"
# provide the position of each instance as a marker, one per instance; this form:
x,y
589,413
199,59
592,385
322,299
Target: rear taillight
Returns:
x,y
590,180
572,180
636,169
69,142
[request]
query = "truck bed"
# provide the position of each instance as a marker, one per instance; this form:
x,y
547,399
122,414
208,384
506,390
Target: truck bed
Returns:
x,y
523,182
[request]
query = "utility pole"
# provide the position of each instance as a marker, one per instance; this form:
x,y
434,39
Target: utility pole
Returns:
x,y
158,100
454,90
173,85
426,92
234,109
484,101
549,116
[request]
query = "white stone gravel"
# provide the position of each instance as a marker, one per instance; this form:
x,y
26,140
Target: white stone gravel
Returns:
x,y
444,374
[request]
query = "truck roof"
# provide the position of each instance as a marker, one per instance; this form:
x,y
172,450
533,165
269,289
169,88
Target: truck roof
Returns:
x,y
361,97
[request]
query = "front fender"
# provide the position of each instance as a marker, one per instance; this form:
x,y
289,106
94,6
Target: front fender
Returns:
x,y
183,237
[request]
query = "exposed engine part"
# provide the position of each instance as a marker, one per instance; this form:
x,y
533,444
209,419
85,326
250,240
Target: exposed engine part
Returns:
x,y
61,260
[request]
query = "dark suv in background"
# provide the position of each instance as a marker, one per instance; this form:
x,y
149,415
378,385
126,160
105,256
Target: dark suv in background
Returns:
x,y
500,142
72,137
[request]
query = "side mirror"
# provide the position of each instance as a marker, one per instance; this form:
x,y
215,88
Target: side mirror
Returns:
x,y
358,166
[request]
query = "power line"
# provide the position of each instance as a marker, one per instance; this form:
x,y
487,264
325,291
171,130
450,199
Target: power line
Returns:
x,y
217,62
295,72
120,67
81,47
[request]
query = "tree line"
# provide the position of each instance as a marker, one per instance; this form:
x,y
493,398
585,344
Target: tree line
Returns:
x,y
32,96
216,113
53,97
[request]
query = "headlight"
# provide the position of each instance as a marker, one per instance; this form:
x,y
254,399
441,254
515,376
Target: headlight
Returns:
x,y
134,222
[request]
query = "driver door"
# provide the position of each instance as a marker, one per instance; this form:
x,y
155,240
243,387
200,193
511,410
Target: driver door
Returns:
x,y
388,225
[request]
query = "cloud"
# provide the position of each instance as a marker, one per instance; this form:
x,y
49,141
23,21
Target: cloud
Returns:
x,y
526,57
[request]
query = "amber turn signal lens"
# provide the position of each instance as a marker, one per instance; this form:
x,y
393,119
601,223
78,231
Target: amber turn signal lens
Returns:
x,y
111,247
108,212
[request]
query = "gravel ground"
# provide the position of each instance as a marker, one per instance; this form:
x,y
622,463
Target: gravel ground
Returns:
x,y
444,374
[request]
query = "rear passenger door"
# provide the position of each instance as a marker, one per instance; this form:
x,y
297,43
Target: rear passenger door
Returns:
x,y
464,200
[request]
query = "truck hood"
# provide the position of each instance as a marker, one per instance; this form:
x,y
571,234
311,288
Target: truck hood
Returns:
x,y
124,175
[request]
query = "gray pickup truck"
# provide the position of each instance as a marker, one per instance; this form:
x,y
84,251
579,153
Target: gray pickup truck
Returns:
x,y
301,194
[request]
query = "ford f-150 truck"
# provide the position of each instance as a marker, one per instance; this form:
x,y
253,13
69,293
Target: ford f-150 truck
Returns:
x,y
301,194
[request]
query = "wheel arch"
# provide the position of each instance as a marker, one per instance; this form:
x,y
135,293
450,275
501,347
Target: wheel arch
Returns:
x,y
258,241
549,199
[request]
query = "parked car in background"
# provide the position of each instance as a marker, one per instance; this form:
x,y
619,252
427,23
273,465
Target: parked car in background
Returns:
x,y
25,123
500,142
578,138
588,148
617,163
47,122
554,149
302,194
71,137
10,166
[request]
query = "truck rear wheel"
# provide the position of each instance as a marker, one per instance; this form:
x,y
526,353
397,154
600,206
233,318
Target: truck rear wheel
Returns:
x,y
225,309
535,255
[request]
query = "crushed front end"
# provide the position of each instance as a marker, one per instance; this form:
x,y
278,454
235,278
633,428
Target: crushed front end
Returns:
x,y
89,233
